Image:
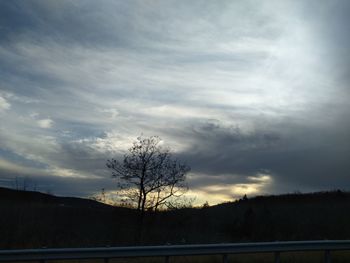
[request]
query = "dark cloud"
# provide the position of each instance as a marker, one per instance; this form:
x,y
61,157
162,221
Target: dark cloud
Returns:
x,y
238,89
62,186
65,21
311,157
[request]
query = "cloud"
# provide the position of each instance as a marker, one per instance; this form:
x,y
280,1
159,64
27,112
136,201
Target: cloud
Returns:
x,y
20,170
4,105
226,188
45,123
237,89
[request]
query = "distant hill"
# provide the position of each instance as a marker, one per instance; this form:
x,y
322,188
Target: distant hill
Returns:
x,y
32,219
26,197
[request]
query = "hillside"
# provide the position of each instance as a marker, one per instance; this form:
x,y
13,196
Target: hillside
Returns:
x,y
29,197
32,219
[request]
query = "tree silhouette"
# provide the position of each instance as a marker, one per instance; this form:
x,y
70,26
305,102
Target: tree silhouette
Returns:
x,y
149,176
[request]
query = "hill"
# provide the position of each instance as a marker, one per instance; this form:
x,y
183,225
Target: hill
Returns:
x,y
30,197
32,219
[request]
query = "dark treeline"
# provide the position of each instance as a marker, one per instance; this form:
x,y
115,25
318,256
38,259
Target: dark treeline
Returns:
x,y
34,220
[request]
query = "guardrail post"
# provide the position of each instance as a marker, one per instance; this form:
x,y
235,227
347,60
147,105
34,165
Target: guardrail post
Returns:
x,y
327,256
166,259
224,258
277,257
106,260
42,261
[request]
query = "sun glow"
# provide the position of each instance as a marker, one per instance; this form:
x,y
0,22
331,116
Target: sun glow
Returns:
x,y
219,193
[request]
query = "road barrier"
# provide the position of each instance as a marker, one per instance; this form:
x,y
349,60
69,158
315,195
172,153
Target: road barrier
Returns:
x,y
106,253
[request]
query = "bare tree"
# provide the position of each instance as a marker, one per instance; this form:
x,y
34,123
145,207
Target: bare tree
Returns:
x,y
149,176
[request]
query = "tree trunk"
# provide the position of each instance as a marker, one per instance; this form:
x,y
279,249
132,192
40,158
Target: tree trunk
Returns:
x,y
139,200
143,205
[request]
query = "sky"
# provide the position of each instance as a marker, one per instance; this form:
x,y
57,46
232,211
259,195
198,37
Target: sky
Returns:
x,y
253,95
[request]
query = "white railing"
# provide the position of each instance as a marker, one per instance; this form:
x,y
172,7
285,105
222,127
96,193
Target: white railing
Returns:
x,y
106,253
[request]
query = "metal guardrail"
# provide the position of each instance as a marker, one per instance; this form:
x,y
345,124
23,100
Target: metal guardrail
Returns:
x,y
106,253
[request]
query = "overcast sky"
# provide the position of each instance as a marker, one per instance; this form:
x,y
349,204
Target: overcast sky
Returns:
x,y
253,95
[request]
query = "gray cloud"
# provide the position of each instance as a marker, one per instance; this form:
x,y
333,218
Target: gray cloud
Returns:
x,y
237,89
